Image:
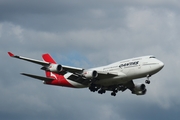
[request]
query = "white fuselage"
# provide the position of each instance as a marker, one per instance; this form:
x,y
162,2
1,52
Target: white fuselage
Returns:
x,y
128,70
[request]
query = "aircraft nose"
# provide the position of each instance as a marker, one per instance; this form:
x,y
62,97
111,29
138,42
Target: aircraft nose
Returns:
x,y
161,64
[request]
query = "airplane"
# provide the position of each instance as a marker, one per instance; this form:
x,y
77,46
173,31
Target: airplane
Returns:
x,y
114,77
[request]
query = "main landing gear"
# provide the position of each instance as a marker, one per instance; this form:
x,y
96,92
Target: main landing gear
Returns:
x,y
93,88
114,92
148,81
101,91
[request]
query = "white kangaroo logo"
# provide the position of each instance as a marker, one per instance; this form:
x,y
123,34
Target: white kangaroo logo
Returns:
x,y
53,75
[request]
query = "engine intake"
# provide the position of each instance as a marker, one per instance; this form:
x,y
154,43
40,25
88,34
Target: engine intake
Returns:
x,y
139,89
90,74
55,68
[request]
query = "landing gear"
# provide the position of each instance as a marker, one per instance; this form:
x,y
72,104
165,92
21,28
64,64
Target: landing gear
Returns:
x,y
148,81
101,91
113,94
93,88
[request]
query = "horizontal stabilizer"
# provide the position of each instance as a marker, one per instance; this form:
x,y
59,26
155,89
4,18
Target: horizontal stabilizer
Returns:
x,y
38,77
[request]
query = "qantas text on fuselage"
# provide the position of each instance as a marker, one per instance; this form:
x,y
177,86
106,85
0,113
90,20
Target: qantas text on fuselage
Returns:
x,y
114,77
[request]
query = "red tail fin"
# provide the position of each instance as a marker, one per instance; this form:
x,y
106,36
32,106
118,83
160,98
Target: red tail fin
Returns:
x,y
48,58
58,79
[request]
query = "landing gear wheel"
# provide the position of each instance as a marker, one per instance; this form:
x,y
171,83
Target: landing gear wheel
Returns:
x,y
147,81
113,94
93,88
101,91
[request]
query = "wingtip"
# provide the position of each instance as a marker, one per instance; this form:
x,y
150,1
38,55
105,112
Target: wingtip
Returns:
x,y
11,54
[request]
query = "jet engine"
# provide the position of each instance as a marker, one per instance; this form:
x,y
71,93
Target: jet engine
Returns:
x,y
90,74
54,68
139,89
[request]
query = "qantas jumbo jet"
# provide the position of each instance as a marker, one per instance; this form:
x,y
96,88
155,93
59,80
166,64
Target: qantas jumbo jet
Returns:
x,y
114,77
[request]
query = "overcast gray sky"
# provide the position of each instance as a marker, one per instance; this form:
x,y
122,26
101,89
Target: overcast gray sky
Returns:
x,y
88,34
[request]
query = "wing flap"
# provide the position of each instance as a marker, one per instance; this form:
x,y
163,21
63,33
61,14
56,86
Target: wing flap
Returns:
x,y
38,77
72,69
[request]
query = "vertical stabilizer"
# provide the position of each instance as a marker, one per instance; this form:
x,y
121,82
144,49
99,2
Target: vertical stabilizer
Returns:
x,y
47,57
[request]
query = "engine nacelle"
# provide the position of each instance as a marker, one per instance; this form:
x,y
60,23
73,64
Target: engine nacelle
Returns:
x,y
139,89
141,92
90,74
55,68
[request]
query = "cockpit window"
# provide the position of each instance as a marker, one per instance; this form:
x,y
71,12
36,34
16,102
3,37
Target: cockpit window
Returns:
x,y
152,57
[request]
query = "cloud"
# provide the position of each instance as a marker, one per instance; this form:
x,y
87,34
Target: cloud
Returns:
x,y
88,34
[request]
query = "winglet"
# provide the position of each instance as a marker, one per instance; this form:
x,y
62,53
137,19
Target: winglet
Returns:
x,y
11,54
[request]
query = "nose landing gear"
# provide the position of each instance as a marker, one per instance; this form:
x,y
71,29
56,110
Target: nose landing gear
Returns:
x,y
148,81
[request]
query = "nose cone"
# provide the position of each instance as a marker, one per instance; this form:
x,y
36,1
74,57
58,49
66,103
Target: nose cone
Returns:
x,y
161,64
157,66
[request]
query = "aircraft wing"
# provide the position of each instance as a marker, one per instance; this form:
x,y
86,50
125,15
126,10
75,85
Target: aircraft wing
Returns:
x,y
138,89
72,69
43,63
47,63
82,80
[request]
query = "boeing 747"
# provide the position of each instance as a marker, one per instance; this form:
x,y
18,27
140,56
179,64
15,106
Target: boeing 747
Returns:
x,y
114,77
